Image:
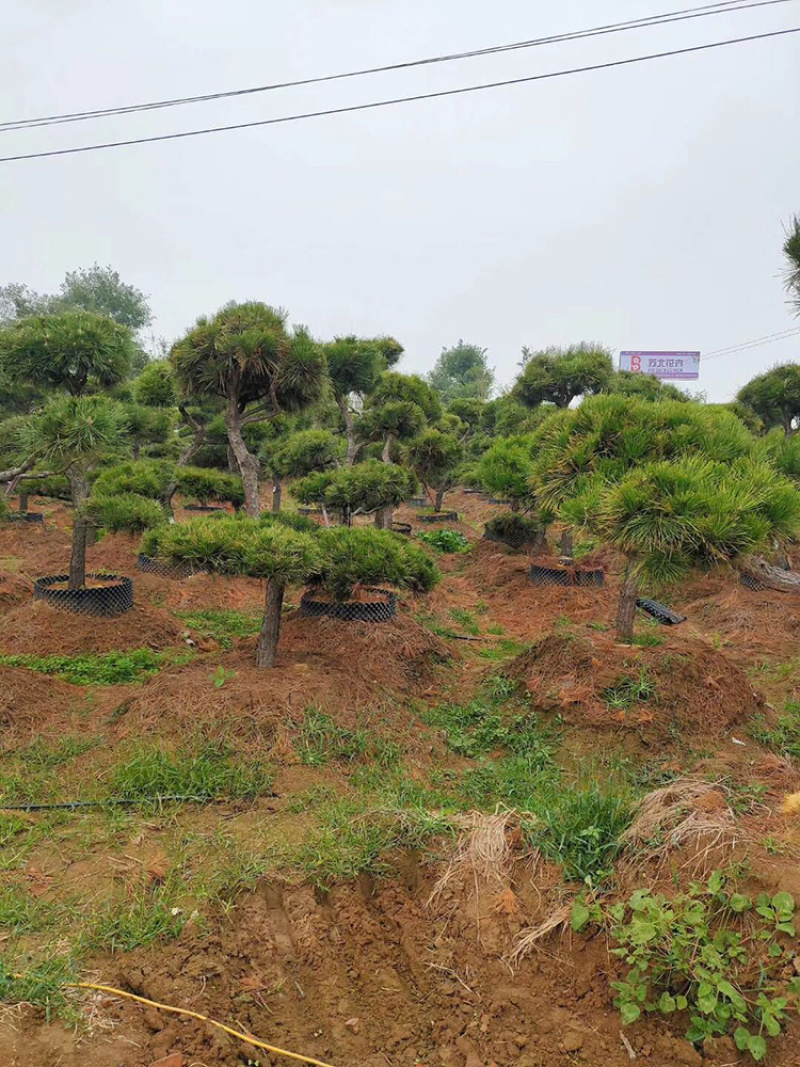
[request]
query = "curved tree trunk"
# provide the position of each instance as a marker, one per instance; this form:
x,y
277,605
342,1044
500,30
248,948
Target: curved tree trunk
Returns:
x,y
626,612
185,457
267,648
277,494
386,455
248,463
23,501
439,499
384,517
772,577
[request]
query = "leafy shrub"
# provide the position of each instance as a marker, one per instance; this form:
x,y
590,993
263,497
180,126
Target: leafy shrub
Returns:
x,y
686,954
146,477
353,556
206,484
445,540
127,512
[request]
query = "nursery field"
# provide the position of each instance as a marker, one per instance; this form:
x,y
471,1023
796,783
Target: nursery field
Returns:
x,y
439,840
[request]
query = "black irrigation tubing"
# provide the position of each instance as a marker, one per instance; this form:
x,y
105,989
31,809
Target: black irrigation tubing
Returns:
x,y
72,805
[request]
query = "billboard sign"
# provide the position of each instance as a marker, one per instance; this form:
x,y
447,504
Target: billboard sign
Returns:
x,y
678,366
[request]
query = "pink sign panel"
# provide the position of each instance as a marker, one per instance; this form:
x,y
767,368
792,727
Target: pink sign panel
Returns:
x,y
679,366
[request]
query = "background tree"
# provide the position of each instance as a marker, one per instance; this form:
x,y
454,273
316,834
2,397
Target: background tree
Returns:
x,y
72,350
643,386
71,436
435,457
246,356
102,291
354,366
367,488
462,372
791,250
559,375
775,397
397,409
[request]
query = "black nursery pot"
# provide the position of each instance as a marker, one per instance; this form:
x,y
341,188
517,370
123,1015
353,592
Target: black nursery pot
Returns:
x,y
439,516
113,598
165,568
350,611
206,509
27,516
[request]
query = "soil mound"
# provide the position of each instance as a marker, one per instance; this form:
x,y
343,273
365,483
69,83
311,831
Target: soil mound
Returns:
x,y
38,703
342,669
38,629
592,681
14,589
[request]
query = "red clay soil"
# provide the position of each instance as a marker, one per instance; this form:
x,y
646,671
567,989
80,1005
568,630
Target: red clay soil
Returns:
x,y
35,627
696,688
347,670
369,974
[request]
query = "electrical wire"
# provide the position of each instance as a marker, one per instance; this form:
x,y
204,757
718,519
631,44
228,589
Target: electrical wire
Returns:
x,y
400,99
681,15
755,343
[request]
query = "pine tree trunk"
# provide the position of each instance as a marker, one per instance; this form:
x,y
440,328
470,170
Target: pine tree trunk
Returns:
x,y
626,612
79,491
384,517
386,455
566,544
515,505
183,460
233,466
247,462
23,501
271,627
439,499
349,429
277,494
77,562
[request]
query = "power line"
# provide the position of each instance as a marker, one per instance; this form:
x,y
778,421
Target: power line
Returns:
x,y
399,100
756,343
682,15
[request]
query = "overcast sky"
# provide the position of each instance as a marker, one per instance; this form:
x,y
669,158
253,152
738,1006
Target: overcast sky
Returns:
x,y
641,207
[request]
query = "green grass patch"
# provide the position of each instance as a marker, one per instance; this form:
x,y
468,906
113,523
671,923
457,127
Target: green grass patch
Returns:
x,y
45,985
491,721
321,740
212,772
579,828
109,668
223,626
466,620
629,690
784,736
149,915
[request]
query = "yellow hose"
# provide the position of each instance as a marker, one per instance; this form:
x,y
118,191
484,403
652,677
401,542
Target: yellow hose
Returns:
x,y
203,1019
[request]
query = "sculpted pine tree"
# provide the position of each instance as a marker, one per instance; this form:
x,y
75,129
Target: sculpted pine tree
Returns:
x,y
247,356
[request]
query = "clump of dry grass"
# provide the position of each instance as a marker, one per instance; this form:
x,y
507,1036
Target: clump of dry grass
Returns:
x,y
483,852
688,816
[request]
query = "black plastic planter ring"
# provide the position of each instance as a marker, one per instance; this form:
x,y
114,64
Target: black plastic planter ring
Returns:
x,y
402,528
350,611
165,568
660,612
749,582
309,511
206,509
589,576
549,575
108,600
439,516
27,516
